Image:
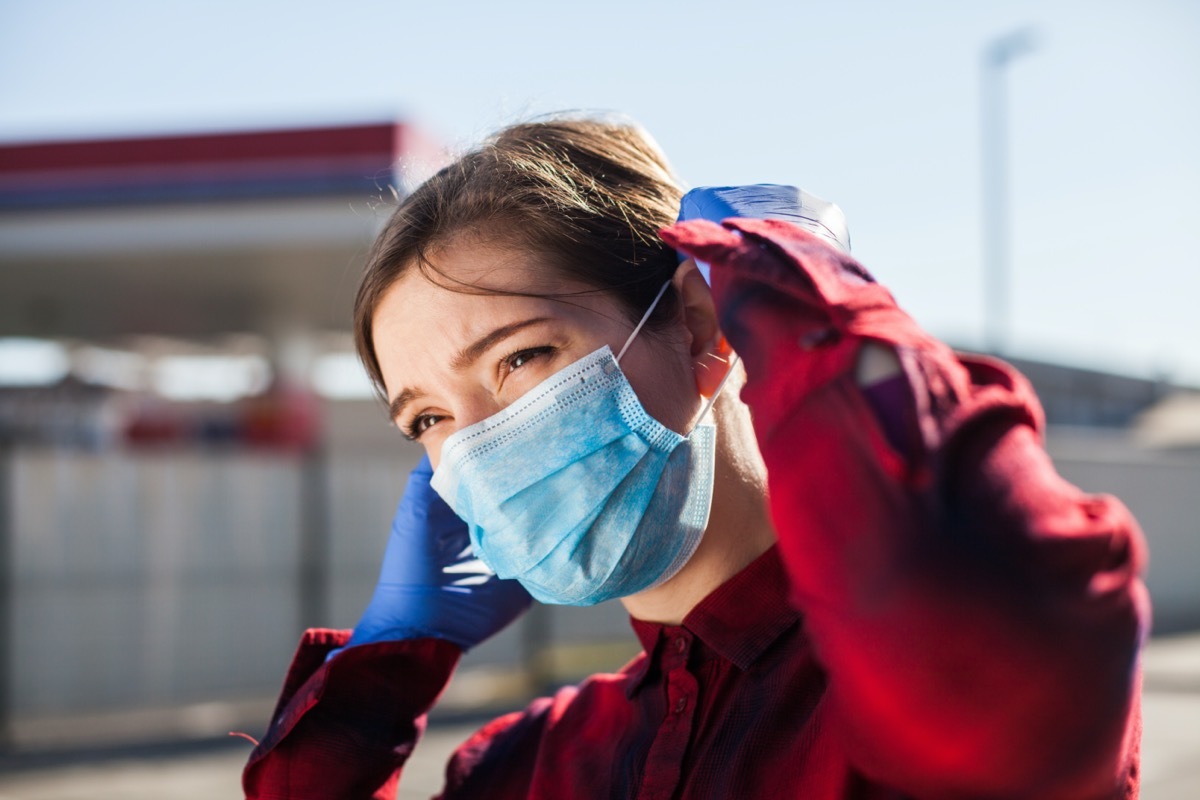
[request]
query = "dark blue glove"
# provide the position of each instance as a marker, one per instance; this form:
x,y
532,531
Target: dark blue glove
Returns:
x,y
431,583
766,201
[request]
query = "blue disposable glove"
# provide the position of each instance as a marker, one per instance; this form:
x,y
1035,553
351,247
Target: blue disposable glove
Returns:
x,y
766,201
431,583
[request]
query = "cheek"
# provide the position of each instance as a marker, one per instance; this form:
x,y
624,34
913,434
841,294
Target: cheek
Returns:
x,y
667,391
434,442
434,439
434,451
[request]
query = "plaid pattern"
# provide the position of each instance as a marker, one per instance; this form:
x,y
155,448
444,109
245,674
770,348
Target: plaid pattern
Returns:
x,y
947,618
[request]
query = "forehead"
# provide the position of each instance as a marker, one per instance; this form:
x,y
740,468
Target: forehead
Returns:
x,y
469,288
468,264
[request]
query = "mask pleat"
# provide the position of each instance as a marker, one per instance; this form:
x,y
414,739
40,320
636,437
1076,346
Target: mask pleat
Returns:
x,y
522,522
599,546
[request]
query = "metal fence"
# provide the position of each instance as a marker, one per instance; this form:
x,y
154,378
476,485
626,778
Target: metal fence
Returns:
x,y
156,580
152,580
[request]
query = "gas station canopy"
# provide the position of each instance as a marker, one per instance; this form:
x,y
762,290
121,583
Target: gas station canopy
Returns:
x,y
196,236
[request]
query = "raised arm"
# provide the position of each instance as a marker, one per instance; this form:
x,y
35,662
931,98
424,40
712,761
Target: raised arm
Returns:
x,y
979,617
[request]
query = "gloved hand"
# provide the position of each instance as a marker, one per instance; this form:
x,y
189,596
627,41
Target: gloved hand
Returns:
x,y
766,201
779,289
431,583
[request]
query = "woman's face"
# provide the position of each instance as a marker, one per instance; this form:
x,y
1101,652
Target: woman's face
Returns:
x,y
452,358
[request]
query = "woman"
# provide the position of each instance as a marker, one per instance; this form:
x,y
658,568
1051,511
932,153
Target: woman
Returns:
x,y
860,578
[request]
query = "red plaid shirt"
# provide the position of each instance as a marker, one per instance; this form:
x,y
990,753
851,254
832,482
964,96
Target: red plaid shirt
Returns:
x,y
968,624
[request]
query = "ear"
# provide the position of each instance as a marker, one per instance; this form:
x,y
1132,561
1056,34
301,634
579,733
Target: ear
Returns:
x,y
708,347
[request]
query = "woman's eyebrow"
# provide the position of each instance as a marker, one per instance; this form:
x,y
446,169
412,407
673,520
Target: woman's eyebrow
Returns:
x,y
465,357
398,402
473,351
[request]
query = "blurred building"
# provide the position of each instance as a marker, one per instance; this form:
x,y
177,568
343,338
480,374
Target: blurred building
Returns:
x,y
1086,397
1138,439
193,468
194,236
206,268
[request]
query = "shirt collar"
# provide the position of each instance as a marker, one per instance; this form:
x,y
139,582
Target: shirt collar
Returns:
x,y
739,620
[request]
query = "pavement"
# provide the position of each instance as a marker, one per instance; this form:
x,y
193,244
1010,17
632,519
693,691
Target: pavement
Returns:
x,y
208,772
211,770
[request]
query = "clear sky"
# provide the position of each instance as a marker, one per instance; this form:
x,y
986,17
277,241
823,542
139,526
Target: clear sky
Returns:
x,y
874,105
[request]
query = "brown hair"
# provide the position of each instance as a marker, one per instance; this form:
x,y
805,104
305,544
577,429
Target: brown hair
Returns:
x,y
589,196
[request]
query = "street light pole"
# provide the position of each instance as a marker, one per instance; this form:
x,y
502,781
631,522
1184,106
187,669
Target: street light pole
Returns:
x,y
997,278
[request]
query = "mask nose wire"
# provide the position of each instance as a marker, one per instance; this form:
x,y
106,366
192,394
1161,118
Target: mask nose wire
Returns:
x,y
733,362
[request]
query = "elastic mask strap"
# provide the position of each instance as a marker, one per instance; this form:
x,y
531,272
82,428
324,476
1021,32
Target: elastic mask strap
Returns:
x,y
733,362
645,317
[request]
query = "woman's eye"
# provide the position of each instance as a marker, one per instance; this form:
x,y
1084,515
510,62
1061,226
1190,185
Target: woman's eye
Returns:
x,y
419,424
522,357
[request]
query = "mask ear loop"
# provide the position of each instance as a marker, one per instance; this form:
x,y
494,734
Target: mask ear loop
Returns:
x,y
645,317
733,362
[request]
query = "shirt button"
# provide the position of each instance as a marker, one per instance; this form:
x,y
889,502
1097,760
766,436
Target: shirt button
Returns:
x,y
680,705
680,644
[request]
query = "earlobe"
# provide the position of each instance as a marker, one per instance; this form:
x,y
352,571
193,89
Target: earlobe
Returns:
x,y
712,366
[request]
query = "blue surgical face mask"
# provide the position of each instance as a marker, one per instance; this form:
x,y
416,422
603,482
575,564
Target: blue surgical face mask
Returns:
x,y
576,491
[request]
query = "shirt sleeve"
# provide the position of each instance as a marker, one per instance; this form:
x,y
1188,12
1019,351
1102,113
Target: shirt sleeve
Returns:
x,y
344,727
979,617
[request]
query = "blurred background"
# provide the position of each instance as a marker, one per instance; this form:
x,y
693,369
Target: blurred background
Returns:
x,y
192,467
